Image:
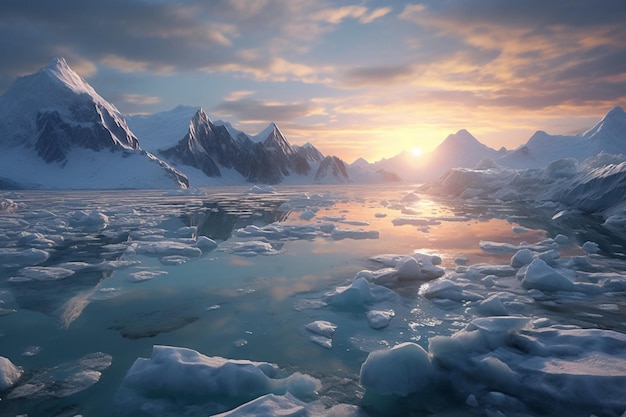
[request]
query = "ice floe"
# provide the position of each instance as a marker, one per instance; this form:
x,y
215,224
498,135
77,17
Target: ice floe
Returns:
x,y
178,380
9,373
10,257
63,380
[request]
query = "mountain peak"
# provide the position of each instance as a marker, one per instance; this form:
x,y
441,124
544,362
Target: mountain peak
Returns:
x,y
200,115
610,128
462,137
270,130
616,111
60,71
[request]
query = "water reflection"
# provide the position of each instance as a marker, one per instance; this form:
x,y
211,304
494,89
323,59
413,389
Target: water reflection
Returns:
x,y
262,299
218,218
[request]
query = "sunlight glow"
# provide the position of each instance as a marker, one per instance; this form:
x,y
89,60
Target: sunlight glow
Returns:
x,y
417,151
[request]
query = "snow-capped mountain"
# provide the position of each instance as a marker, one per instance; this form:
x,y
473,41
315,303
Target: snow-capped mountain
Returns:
x,y
457,150
214,152
57,132
608,136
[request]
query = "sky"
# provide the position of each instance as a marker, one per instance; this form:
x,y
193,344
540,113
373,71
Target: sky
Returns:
x,y
362,78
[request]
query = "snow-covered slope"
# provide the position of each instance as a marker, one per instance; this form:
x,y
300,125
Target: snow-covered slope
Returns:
x,y
608,135
161,130
57,132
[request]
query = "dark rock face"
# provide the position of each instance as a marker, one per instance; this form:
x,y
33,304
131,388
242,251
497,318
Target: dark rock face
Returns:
x,y
332,169
94,128
309,152
208,147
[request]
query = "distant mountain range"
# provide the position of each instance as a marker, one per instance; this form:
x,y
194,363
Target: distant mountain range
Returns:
x,y
464,150
56,131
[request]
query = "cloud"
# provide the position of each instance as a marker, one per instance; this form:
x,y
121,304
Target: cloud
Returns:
x,y
362,13
377,75
139,99
255,110
533,54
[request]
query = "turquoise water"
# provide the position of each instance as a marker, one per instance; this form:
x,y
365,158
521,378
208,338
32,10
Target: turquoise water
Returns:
x,y
221,303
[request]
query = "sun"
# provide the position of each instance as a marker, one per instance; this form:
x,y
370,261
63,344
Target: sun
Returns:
x,y
417,151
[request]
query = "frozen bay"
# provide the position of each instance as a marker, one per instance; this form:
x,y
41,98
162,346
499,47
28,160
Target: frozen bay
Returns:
x,y
310,281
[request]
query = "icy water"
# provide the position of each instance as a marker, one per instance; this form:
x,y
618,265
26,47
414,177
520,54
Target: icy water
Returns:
x,y
91,281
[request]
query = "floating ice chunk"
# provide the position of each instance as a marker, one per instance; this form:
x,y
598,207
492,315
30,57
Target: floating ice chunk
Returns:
x,y
356,294
323,341
174,260
261,189
270,405
184,376
492,306
401,370
307,215
550,256
410,197
187,231
491,269
9,373
542,276
42,273
461,260
498,247
279,231
384,276
342,233
590,248
522,257
35,240
419,267
322,328
408,269
561,240
379,319
249,248
15,258
93,220
205,243
7,205
141,276
450,290
481,335
164,248
495,373
240,342
63,380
